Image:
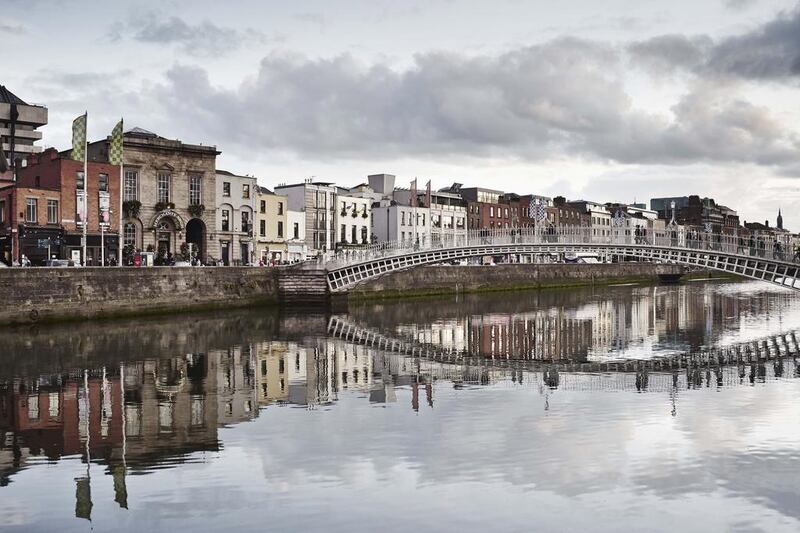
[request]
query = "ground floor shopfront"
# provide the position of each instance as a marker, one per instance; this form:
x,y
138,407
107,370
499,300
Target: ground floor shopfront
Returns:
x,y
101,249
40,243
236,249
269,253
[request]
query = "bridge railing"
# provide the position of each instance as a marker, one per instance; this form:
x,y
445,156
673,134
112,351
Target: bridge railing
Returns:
x,y
750,246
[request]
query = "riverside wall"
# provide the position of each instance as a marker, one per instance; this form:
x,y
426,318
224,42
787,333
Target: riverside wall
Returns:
x,y
440,279
30,295
50,294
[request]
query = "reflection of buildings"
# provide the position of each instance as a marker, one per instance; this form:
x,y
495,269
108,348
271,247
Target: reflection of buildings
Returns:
x,y
140,414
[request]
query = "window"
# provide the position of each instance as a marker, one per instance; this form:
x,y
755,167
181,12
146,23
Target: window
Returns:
x,y
245,221
163,187
262,230
245,191
280,229
353,234
226,220
103,182
296,230
195,189
38,181
129,234
280,208
263,207
52,211
343,236
131,186
79,181
2,211
491,211
226,188
30,210
363,235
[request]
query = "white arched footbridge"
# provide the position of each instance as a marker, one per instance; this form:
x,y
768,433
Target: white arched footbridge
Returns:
x,y
754,258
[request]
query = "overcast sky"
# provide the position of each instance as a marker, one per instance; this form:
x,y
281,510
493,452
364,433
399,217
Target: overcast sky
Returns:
x,y
610,100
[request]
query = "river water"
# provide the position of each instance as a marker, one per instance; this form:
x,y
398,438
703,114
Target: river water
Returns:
x,y
639,408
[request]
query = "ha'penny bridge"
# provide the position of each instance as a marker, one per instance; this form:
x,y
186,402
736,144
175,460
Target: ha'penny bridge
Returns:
x,y
758,258
747,362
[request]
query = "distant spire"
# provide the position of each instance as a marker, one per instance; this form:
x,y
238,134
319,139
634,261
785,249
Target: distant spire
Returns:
x,y
780,219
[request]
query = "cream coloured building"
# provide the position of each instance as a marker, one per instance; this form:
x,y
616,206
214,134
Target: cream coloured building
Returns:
x,y
235,208
271,227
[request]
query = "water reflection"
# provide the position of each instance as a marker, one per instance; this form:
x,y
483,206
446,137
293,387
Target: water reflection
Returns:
x,y
511,373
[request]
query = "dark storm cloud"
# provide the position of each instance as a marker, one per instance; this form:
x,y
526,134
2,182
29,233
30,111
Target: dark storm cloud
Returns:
x,y
204,38
563,97
770,52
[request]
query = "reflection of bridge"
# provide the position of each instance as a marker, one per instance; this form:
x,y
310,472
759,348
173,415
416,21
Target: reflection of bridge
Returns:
x,y
751,258
773,348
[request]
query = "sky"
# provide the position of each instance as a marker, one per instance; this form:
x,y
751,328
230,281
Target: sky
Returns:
x,y
613,100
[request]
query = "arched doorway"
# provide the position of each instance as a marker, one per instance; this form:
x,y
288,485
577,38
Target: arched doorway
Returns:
x,y
196,237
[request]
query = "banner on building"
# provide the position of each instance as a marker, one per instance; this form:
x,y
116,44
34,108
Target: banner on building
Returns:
x,y
105,208
80,206
115,147
79,138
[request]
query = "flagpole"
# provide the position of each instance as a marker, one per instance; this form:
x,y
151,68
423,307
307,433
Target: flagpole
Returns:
x,y
120,231
85,184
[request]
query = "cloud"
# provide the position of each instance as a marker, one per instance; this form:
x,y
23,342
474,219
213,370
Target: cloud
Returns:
x,y
202,39
768,52
12,29
738,4
564,98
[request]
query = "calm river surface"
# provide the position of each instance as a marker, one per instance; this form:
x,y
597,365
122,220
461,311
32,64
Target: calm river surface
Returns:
x,y
637,408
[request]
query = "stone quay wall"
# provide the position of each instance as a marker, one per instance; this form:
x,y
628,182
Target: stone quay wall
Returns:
x,y
440,279
30,295
50,294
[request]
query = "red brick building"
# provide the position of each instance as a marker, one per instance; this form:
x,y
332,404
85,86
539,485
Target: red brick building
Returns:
x,y
43,208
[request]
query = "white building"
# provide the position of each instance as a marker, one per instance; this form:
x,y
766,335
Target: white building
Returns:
x,y
296,247
317,201
236,197
353,219
599,219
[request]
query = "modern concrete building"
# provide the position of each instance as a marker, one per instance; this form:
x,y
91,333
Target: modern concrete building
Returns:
x,y
236,206
19,122
169,194
317,200
271,226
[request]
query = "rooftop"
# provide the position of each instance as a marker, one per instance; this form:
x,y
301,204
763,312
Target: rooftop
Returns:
x,y
7,97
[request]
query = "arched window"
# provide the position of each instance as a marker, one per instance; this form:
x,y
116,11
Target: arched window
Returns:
x,y
129,234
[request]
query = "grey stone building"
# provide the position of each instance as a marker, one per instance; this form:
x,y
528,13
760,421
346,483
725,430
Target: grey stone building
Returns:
x,y
169,194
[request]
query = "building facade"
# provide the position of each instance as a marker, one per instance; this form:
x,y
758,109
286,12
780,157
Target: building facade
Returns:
x,y
353,220
296,247
169,195
41,214
236,209
317,201
19,122
271,227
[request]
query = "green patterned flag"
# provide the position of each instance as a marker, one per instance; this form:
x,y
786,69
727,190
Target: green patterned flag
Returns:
x,y
79,138
115,148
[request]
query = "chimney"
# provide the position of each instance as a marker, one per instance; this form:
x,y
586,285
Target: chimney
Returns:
x,y
766,223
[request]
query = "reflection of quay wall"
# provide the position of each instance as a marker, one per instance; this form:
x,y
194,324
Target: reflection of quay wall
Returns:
x,y
454,279
32,295
51,348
